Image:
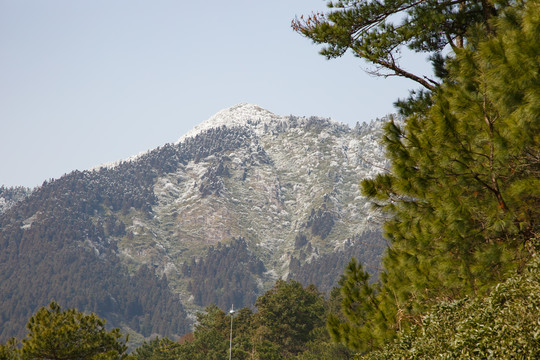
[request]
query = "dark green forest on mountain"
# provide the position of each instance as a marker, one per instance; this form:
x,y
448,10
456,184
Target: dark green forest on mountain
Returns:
x,y
55,244
225,275
323,271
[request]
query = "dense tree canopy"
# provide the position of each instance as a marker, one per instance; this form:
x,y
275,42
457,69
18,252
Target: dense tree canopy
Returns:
x,y
59,334
288,323
9,350
289,313
502,325
463,192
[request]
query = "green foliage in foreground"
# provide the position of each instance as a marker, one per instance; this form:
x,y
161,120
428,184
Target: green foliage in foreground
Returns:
x,y
59,334
9,350
288,324
503,325
462,196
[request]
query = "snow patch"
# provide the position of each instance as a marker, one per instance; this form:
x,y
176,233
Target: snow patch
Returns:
x,y
237,115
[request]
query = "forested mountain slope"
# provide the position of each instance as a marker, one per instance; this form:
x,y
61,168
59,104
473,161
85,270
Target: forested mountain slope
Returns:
x,y
246,198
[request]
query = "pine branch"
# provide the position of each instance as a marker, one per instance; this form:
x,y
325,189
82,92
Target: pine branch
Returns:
x,y
391,65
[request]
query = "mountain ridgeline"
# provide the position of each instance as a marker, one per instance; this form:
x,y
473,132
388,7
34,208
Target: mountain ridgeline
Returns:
x,y
246,198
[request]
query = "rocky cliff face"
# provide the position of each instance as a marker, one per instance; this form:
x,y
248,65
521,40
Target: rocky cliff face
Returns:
x,y
245,198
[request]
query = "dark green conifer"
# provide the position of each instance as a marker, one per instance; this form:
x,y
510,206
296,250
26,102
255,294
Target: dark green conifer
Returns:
x,y
463,194
463,191
59,334
287,314
359,307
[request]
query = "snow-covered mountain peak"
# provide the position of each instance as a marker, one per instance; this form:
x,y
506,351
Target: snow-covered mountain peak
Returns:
x,y
237,115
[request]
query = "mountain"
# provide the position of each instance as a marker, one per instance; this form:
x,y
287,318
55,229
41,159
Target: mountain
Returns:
x,y
245,198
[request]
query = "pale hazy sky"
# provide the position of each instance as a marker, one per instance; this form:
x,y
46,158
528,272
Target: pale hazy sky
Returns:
x,y
87,82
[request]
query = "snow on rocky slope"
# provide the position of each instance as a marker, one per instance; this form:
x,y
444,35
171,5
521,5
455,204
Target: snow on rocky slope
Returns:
x,y
268,179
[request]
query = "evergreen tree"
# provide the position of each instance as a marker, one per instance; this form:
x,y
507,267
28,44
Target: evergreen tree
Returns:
x,y
288,324
360,325
9,351
158,349
464,189
59,334
287,314
211,335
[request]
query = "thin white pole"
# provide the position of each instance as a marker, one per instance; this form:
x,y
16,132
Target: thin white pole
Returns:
x,y
230,340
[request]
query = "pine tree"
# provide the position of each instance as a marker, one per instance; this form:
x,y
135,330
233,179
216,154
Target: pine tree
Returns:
x,y
463,193
9,350
377,31
358,327
59,334
464,186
